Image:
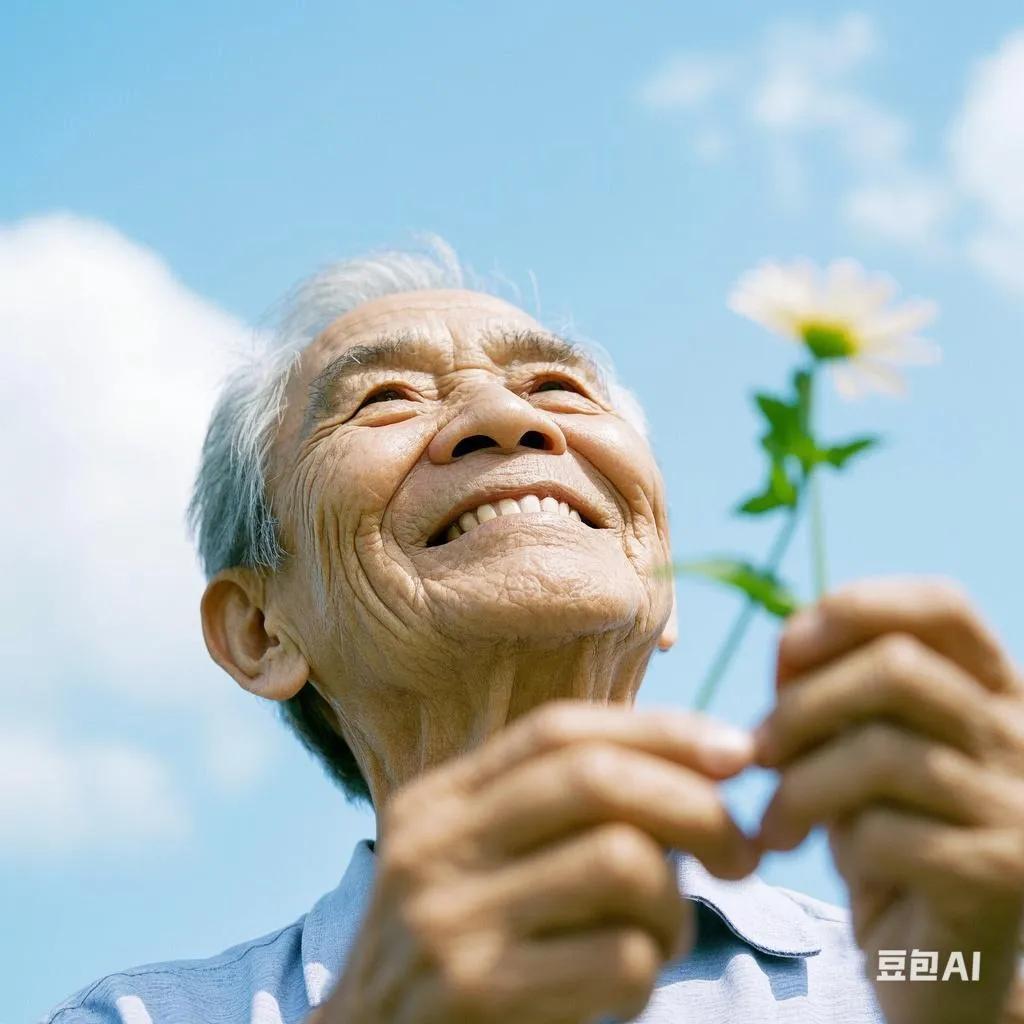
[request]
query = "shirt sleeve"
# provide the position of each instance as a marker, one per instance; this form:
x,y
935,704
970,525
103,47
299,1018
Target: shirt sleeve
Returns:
x,y
96,1009
84,1015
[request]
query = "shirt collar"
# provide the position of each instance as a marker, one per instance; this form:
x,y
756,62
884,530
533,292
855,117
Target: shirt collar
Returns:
x,y
760,915
332,925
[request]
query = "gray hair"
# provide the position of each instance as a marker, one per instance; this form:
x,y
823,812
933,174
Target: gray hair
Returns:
x,y
230,514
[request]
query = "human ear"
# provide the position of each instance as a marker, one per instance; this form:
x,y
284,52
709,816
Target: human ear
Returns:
x,y
243,640
670,632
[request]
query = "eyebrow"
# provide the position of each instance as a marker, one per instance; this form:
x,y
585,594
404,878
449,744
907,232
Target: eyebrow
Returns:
x,y
399,350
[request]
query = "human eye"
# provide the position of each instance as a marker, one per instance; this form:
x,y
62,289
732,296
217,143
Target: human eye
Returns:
x,y
386,393
556,384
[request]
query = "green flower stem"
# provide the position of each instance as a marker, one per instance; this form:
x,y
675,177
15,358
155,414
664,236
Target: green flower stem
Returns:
x,y
809,486
813,483
817,538
740,625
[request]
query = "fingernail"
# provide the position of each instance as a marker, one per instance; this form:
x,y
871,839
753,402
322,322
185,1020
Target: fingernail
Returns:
x,y
801,627
728,747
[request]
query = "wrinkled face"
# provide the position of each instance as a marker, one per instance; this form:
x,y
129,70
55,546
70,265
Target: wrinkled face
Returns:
x,y
449,475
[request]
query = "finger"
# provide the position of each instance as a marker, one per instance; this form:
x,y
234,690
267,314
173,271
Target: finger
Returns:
x,y
613,874
895,676
957,886
882,762
887,845
935,611
713,748
579,787
607,973
572,979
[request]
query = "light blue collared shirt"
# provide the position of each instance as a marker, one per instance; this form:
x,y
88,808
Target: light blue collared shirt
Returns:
x,y
763,955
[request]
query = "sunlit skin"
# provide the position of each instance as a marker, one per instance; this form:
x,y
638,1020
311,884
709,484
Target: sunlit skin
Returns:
x,y
485,684
424,650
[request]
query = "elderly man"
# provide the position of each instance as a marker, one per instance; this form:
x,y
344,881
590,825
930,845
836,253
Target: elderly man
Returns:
x,y
434,532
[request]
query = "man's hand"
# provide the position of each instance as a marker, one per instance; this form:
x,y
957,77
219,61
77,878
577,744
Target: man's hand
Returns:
x,y
900,725
528,879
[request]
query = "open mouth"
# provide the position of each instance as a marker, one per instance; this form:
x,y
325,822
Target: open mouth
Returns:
x,y
525,504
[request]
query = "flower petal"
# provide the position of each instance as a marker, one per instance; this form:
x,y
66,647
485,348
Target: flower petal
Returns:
x,y
906,319
850,294
849,384
905,350
777,297
881,378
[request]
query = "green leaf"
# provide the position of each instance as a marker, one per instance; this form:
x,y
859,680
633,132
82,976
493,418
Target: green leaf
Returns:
x,y
779,492
758,504
838,455
760,586
787,435
780,415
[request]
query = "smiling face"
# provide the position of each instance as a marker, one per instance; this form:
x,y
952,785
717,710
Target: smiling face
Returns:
x,y
452,480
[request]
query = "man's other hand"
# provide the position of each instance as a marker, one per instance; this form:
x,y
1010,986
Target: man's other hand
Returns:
x,y
528,879
899,725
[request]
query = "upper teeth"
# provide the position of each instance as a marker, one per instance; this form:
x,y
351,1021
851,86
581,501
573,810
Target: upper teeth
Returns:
x,y
509,507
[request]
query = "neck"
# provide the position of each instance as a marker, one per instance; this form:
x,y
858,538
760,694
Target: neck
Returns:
x,y
402,727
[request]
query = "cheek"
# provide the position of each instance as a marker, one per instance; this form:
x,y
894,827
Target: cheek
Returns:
x,y
624,458
348,482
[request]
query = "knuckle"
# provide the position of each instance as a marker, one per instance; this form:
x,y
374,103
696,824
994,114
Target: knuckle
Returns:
x,y
870,835
948,597
898,659
939,766
464,983
555,724
626,854
593,770
637,962
428,919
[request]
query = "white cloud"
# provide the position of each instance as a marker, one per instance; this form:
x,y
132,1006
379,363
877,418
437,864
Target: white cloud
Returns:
x,y
912,211
803,88
824,51
796,86
795,94
796,103
110,367
110,370
1000,254
57,794
236,749
986,145
686,81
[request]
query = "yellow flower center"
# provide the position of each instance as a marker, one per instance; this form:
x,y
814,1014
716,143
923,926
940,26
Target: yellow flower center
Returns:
x,y
829,340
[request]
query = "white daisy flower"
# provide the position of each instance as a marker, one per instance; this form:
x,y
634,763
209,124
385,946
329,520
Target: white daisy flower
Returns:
x,y
842,315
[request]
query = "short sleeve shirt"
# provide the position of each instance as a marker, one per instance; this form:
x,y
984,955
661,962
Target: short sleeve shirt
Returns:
x,y
763,954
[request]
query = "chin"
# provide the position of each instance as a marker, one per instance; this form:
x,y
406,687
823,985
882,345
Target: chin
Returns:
x,y
539,597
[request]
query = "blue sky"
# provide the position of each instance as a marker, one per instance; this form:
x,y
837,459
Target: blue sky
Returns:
x,y
170,171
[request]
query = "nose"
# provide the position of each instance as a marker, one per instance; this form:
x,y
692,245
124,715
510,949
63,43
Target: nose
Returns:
x,y
495,418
